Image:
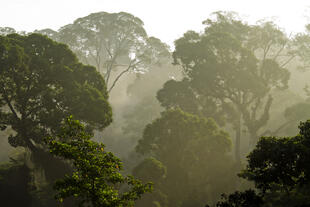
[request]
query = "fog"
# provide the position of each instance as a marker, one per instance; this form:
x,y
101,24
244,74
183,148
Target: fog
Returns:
x,y
208,102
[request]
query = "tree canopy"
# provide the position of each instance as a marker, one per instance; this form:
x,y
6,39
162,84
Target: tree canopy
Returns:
x,y
280,170
193,150
115,43
230,69
42,82
96,174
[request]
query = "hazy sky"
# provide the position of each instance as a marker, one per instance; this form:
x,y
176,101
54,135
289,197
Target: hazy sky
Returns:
x,y
165,19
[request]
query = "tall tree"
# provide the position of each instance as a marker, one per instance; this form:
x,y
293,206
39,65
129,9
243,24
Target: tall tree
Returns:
x,y
42,82
115,43
235,66
195,153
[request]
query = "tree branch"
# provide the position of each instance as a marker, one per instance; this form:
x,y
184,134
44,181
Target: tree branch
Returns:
x,y
7,100
286,62
119,76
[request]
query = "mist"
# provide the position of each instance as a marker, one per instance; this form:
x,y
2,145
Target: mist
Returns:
x,y
215,112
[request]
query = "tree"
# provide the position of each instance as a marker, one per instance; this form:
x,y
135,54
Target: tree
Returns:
x,y
301,47
180,94
195,153
96,177
234,66
152,170
280,168
293,115
7,30
280,161
248,198
42,82
111,42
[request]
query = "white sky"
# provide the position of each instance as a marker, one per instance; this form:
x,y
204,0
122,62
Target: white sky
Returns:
x,y
164,19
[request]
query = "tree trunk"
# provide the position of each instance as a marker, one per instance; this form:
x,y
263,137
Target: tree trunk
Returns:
x,y
237,142
253,139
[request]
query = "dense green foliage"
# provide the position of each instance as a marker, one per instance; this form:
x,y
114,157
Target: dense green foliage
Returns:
x,y
247,198
42,82
153,170
96,177
280,170
195,153
280,167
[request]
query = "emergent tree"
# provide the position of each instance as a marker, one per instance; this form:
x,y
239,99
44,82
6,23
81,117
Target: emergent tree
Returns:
x,y
232,67
111,42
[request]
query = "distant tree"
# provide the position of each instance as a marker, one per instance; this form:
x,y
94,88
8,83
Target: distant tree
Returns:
x,y
42,82
152,170
49,33
144,107
195,153
301,48
7,30
180,94
293,115
231,69
96,178
115,43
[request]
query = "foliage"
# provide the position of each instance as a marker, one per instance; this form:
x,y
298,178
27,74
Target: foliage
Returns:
x,y
286,113
194,152
293,115
180,94
301,48
7,30
41,82
230,71
152,170
247,198
155,170
297,112
115,43
280,161
280,168
96,178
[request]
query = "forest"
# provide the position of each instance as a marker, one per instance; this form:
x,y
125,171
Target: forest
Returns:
x,y
100,114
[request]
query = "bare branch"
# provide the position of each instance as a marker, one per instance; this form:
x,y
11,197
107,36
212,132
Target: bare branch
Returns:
x,y
119,76
289,60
